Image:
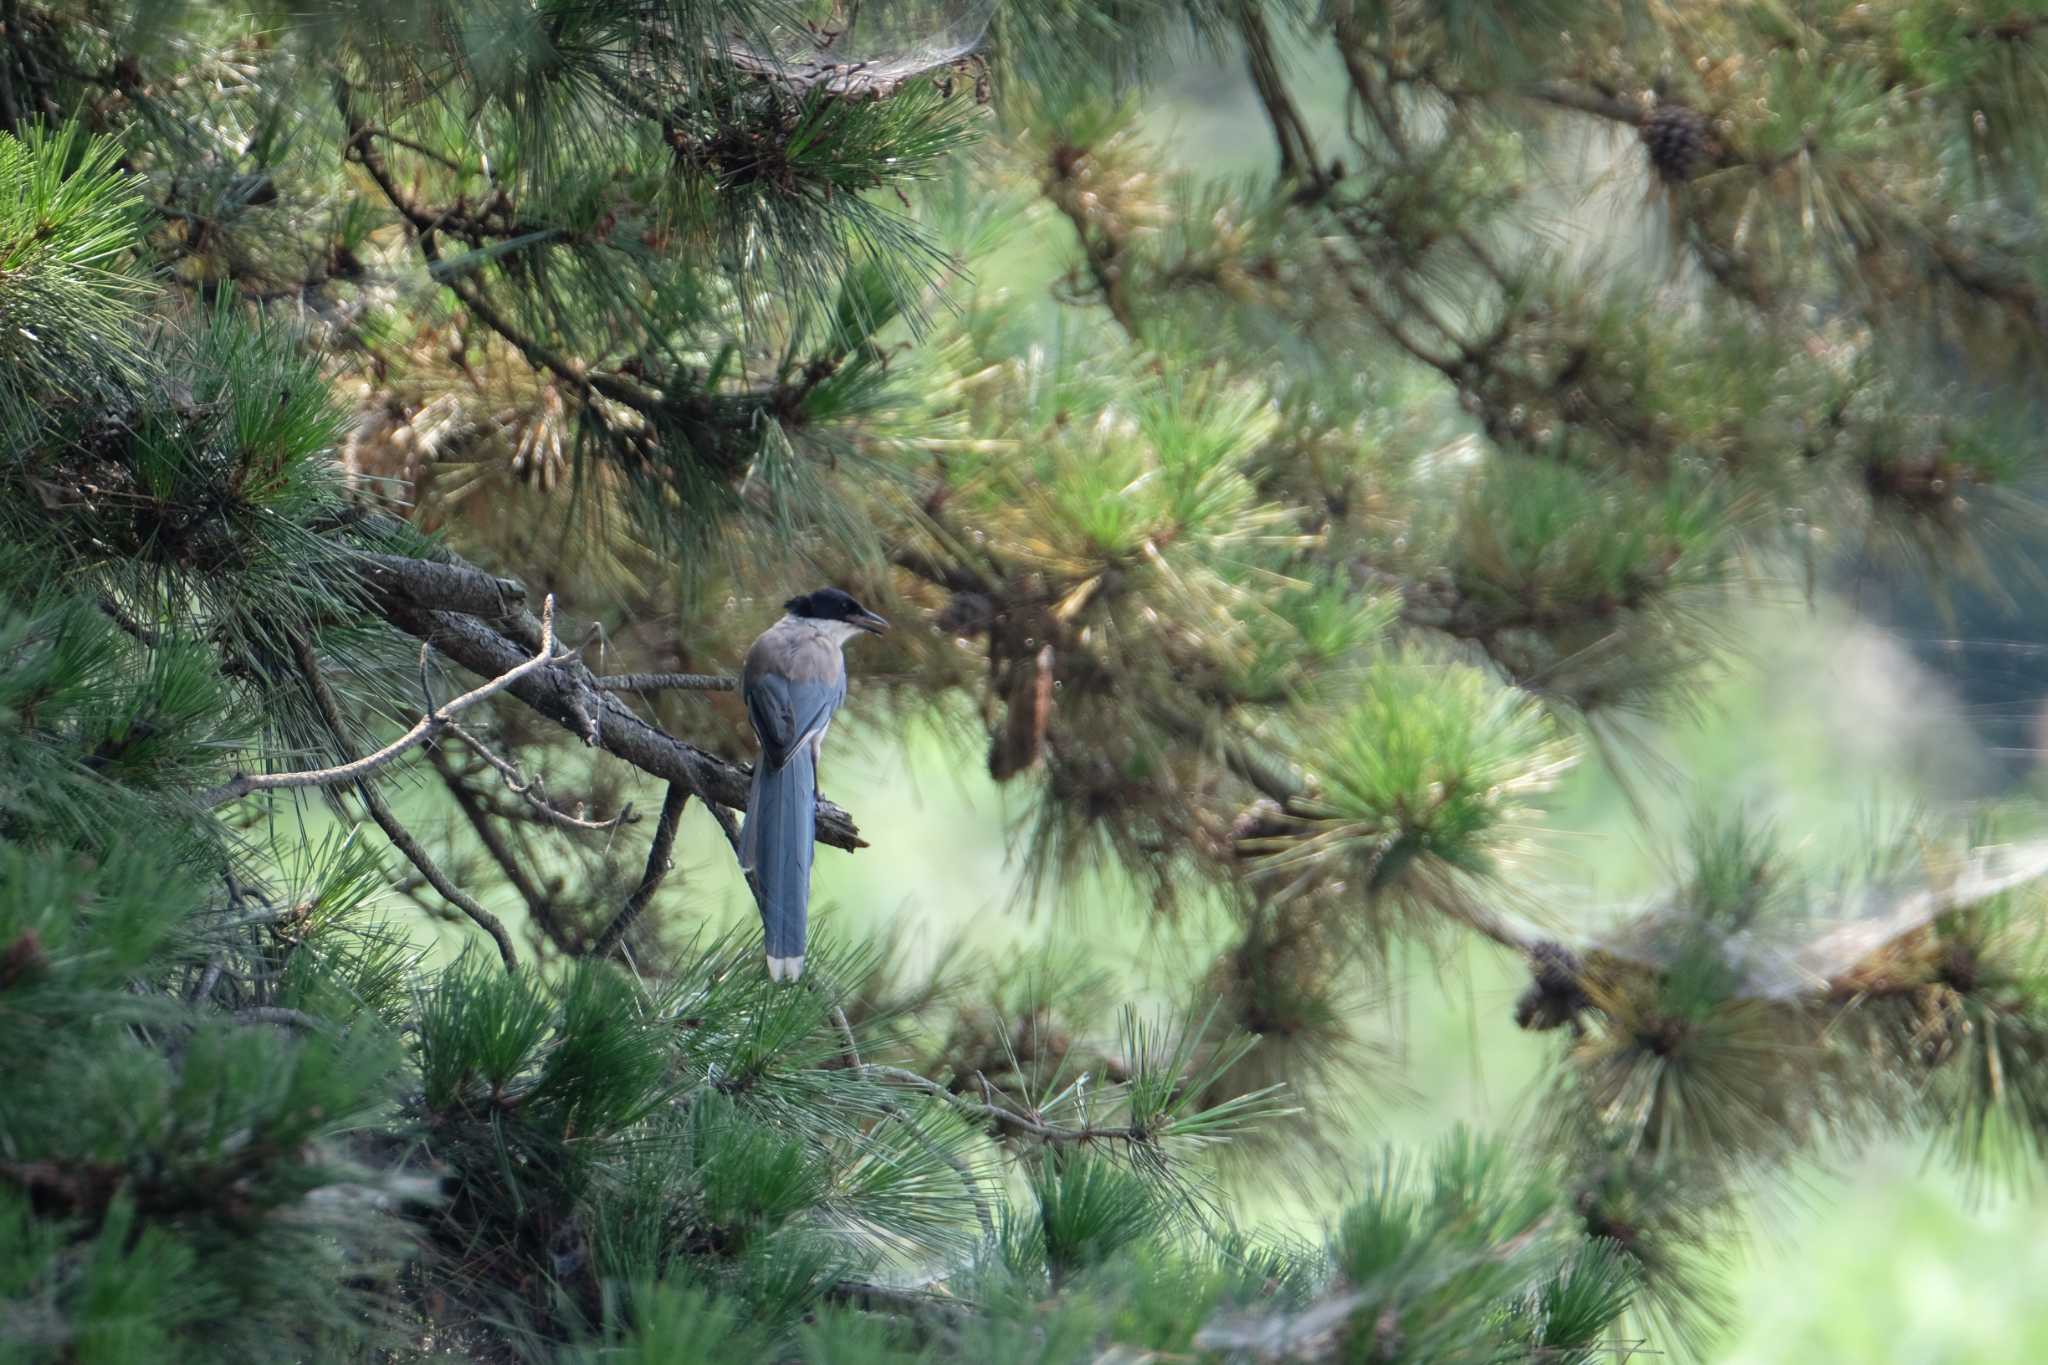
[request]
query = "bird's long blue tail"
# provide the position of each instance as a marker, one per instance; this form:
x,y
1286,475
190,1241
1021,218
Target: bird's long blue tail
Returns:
x,y
777,844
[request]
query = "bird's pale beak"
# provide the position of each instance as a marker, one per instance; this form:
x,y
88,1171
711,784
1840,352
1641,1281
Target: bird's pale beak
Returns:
x,y
871,623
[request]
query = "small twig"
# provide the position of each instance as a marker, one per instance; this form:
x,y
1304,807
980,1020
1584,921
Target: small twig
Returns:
x,y
586,718
1297,149
532,790
846,1036
1008,1118
429,725
128,623
667,682
967,1178
400,836
658,859
426,681
540,906
278,1014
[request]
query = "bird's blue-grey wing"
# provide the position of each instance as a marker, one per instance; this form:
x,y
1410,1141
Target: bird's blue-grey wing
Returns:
x,y
788,715
812,705
773,718
793,682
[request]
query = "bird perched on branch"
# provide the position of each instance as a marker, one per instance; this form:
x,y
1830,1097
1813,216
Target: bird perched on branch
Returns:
x,y
793,682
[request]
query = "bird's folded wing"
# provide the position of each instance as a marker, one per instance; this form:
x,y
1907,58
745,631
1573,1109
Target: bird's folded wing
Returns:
x,y
786,714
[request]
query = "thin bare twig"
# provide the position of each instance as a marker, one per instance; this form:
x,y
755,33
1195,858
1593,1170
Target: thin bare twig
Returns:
x,y
244,784
540,906
400,836
658,858
846,1037
534,791
667,682
1007,1118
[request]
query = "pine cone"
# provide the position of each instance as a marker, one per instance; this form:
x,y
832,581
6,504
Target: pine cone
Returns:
x,y
1679,141
1556,997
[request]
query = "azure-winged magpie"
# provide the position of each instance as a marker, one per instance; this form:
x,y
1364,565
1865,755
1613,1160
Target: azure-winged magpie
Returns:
x,y
794,679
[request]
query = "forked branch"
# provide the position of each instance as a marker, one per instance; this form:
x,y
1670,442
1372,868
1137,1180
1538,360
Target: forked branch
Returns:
x,y
431,724
401,837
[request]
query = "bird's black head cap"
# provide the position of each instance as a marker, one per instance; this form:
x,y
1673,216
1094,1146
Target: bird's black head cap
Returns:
x,y
834,604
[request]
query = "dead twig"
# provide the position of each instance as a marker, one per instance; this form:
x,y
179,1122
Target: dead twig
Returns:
x,y
540,906
534,791
431,724
658,860
400,836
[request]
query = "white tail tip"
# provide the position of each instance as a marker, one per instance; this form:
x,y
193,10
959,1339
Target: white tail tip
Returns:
x,y
785,968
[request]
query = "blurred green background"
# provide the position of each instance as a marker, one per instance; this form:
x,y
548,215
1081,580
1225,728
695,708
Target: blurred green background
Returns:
x,y
1827,724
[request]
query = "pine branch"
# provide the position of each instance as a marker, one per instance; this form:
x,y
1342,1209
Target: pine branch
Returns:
x,y
534,793
781,400
659,860
967,1177
400,836
429,725
1564,95
1297,149
447,584
622,733
540,907
426,222
432,600
1010,1119
1100,246
667,682
1274,780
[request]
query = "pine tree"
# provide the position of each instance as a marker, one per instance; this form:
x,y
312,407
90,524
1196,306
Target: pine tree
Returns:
x,y
1348,507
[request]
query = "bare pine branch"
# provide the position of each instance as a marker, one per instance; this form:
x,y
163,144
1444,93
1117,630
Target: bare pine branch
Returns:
x,y
427,727
403,838
667,682
534,793
658,861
